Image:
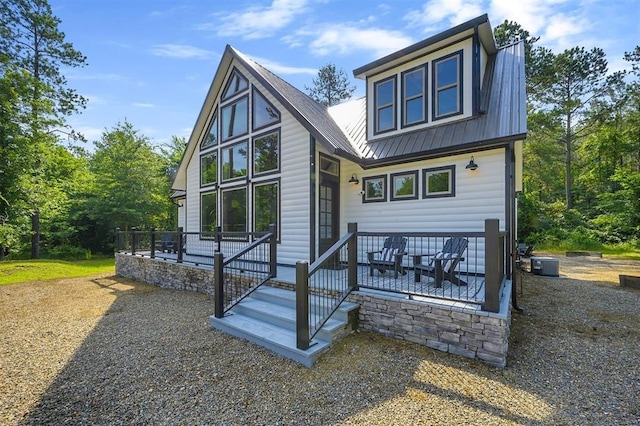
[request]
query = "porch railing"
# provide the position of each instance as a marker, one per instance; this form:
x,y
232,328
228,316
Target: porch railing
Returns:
x,y
478,275
196,248
322,286
239,275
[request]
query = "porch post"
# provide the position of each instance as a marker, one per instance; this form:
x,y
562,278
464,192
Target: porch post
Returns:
x,y
302,305
352,250
180,244
133,240
492,261
218,295
153,242
218,237
273,250
117,245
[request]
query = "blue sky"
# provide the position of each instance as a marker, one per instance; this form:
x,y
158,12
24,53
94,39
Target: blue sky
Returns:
x,y
151,61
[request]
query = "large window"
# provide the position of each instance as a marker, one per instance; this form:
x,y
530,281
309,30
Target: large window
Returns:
x,y
234,210
212,136
266,201
235,118
237,83
385,105
447,86
209,169
264,114
266,153
208,212
439,182
414,91
234,161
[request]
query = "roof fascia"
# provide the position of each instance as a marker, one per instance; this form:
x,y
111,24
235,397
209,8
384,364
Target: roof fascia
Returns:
x,y
414,49
285,102
180,179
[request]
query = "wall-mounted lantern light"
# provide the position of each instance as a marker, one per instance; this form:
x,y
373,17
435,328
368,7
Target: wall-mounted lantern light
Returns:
x,y
354,179
472,164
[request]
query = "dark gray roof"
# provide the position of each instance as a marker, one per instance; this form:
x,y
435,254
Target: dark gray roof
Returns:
x,y
503,119
481,23
311,114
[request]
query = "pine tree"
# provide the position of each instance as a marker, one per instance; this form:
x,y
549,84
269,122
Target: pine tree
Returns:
x,y
331,86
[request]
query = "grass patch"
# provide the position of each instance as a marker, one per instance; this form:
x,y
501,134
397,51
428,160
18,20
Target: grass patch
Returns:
x,y
19,271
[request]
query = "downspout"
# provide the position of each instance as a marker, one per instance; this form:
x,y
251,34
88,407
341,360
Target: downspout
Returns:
x,y
312,198
511,219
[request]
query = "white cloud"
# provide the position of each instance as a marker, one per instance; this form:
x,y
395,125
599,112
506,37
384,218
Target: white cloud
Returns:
x,y
344,39
438,13
283,69
257,22
182,51
143,105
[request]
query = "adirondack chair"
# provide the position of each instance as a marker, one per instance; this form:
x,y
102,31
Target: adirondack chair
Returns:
x,y
390,257
169,243
442,264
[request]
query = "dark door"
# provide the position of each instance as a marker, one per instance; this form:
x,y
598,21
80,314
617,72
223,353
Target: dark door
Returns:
x,y
329,199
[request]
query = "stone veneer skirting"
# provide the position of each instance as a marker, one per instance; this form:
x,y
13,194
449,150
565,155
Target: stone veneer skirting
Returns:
x,y
453,327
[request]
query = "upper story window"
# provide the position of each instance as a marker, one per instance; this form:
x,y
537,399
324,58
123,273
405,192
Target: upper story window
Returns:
x,y
235,118
266,153
414,90
234,161
236,84
385,105
447,86
263,112
212,137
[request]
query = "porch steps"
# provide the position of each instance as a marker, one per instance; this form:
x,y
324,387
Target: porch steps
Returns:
x,y
268,318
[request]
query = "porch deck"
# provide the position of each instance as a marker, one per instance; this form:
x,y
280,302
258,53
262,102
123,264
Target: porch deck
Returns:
x,y
403,286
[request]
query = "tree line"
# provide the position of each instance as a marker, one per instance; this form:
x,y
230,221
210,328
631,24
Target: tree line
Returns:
x,y
63,199
582,153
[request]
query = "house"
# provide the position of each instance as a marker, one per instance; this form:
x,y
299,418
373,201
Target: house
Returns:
x,y
434,145
430,158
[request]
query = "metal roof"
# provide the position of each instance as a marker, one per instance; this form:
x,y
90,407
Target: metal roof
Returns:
x,y
502,119
311,114
480,24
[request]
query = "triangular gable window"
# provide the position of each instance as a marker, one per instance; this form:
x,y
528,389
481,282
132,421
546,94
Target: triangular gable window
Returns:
x,y
264,113
237,83
211,139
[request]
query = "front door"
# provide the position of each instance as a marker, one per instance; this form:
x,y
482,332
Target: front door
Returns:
x,y
329,199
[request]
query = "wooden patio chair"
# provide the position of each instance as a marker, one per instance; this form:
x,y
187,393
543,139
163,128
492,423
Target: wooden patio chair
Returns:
x,y
390,257
169,243
442,264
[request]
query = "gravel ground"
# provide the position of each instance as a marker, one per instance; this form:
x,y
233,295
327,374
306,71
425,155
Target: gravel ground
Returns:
x,y
106,351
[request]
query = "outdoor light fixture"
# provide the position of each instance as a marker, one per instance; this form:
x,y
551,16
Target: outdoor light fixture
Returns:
x,y
354,179
472,165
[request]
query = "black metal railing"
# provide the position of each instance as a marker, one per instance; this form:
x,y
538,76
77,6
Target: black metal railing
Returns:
x,y
239,275
196,248
322,286
456,266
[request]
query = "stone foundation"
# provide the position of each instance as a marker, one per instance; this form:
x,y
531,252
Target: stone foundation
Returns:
x,y
166,274
453,327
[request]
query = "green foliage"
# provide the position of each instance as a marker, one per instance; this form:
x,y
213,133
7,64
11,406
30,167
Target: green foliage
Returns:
x,y
14,272
331,86
66,252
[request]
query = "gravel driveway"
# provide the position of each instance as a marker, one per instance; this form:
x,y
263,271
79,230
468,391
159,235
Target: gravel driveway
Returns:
x,y
106,350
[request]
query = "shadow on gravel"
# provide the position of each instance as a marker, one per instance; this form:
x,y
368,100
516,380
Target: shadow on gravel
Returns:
x,y
152,359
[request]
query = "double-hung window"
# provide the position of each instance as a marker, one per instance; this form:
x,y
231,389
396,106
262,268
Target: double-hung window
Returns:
x,y
447,86
414,91
385,105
